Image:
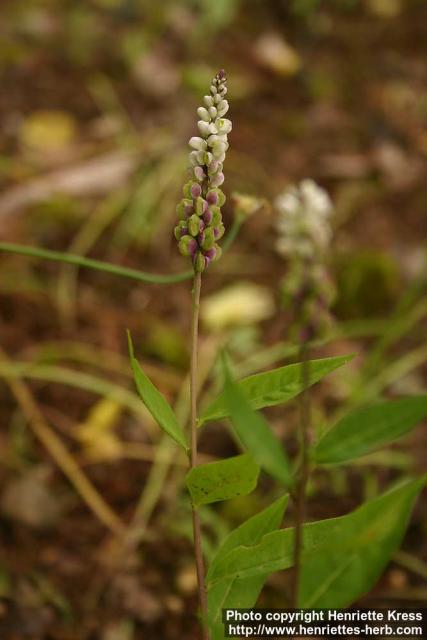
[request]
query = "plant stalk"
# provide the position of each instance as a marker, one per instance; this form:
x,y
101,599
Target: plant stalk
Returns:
x,y
193,451
300,504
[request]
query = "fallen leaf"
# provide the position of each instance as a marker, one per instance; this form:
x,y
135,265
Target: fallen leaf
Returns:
x,y
273,52
242,303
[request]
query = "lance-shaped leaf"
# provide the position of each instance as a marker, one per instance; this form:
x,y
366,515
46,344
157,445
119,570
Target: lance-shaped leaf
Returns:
x,y
367,429
222,480
255,433
276,386
241,593
155,402
342,557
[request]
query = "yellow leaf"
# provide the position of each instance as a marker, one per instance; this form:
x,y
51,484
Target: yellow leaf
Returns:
x,y
97,432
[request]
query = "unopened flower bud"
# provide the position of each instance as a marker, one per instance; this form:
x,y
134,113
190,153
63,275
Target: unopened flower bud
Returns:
x,y
194,225
200,263
199,174
215,196
195,190
218,252
201,206
186,189
193,158
210,253
203,114
182,205
214,167
208,100
181,229
216,216
208,238
187,246
222,108
206,128
212,196
219,231
198,143
217,179
207,216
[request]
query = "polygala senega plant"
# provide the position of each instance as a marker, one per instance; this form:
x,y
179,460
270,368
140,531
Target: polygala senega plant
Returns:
x,y
197,232
336,560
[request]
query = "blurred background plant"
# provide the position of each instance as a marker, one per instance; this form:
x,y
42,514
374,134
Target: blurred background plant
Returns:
x,y
97,105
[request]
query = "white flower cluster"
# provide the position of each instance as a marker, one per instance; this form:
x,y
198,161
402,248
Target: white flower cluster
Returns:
x,y
304,223
209,150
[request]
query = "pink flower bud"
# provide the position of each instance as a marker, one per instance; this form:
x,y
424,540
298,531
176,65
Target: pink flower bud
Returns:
x,y
193,247
212,197
217,180
195,190
207,216
210,253
199,173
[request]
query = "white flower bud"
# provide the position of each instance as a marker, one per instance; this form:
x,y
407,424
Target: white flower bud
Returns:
x,y
213,112
217,179
218,151
203,114
193,158
198,143
214,90
222,108
214,139
208,100
219,155
206,128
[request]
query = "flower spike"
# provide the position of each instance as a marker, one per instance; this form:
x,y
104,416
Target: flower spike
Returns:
x,y
200,224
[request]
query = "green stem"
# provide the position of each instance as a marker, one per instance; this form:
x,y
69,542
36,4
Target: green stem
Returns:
x,y
193,452
300,500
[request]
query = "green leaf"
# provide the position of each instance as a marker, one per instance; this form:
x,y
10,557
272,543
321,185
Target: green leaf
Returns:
x,y
108,267
367,429
250,532
222,480
155,402
236,592
276,386
334,550
343,569
255,433
273,553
